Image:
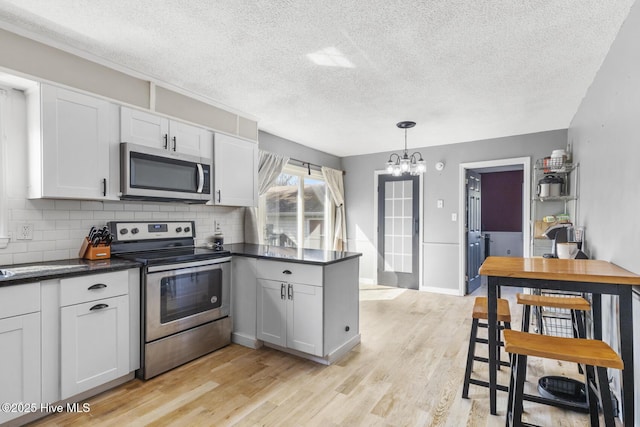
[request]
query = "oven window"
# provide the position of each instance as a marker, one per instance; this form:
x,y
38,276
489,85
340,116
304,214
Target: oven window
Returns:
x,y
184,295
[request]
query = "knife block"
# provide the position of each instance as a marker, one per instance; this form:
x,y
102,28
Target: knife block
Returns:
x,y
88,251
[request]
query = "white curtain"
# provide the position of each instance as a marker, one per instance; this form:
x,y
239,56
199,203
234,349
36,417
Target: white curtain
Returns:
x,y
335,183
270,166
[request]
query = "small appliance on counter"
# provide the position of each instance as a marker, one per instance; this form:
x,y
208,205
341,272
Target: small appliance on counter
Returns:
x,y
564,236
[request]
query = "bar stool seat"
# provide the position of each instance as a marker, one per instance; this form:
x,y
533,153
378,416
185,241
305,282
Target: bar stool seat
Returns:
x,y
481,312
591,353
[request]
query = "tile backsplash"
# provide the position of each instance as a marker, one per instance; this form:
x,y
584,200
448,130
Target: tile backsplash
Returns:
x,y
60,225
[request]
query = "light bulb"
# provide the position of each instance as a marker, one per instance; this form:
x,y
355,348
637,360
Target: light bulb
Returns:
x,y
389,166
421,166
404,165
396,170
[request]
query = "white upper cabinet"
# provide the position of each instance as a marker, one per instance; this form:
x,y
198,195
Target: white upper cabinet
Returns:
x,y
69,137
151,130
235,165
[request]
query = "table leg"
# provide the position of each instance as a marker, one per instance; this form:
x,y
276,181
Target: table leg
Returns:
x,y
492,322
596,310
625,306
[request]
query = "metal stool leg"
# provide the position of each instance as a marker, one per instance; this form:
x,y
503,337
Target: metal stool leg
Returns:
x,y
605,397
470,355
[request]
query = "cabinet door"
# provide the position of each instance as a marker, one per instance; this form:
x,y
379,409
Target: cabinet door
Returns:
x,y
304,318
235,171
271,312
19,362
140,127
75,144
94,344
192,140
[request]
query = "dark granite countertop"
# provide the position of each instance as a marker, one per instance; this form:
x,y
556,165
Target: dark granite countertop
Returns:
x,y
279,253
34,272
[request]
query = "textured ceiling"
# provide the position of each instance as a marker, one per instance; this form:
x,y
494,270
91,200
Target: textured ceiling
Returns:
x,y
462,69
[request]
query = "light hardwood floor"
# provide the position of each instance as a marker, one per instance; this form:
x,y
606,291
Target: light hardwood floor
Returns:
x,y
408,371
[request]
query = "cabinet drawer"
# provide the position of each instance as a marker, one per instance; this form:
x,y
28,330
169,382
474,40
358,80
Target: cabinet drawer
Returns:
x,y
19,299
290,272
93,287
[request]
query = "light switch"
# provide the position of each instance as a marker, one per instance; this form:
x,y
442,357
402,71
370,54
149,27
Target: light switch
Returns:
x,y
454,216
440,203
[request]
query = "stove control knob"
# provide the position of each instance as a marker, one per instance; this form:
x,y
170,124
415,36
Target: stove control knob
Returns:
x,y
178,229
187,229
123,231
134,230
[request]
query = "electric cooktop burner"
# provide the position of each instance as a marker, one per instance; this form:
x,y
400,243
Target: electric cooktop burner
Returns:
x,y
168,256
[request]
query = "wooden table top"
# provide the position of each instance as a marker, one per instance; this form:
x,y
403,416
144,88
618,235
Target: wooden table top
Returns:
x,y
572,270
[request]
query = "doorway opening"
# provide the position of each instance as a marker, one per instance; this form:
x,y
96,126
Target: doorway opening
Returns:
x,y
471,237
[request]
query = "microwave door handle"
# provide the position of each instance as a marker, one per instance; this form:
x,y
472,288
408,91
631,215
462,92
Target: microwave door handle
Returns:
x,y
200,178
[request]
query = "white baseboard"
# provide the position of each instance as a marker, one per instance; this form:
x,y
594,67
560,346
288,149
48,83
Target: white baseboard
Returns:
x,y
245,340
327,360
445,291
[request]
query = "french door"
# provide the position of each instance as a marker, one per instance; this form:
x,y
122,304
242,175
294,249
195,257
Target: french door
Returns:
x,y
398,231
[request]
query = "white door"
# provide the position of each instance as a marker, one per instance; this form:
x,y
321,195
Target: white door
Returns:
x,y
304,318
235,171
19,362
272,316
94,344
75,139
140,127
192,140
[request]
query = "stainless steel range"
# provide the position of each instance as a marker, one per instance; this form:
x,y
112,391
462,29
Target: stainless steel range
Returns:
x,y
185,292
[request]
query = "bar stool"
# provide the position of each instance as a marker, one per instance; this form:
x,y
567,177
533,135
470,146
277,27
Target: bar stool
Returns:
x,y
481,312
591,353
576,305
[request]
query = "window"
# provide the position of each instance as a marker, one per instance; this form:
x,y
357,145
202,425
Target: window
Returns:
x,y
296,211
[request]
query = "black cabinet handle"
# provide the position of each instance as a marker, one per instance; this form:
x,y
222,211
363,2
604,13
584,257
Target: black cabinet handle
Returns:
x,y
290,291
99,307
104,187
286,272
166,141
96,286
346,328
219,196
174,143
281,290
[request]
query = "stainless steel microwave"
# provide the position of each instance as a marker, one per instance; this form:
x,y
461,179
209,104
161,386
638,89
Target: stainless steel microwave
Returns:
x,y
148,173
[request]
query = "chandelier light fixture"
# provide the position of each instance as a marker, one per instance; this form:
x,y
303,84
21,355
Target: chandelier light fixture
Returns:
x,y
406,164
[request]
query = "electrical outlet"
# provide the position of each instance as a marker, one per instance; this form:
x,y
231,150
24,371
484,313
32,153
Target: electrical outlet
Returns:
x,y
25,232
440,203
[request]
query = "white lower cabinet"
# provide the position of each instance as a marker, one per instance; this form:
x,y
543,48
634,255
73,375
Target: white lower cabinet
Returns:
x,y
94,331
20,375
94,344
290,314
19,363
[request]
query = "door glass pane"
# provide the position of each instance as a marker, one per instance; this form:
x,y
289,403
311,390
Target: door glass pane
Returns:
x,y
314,228
281,207
398,219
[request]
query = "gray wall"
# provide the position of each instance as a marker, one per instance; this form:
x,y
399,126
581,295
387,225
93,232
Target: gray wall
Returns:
x,y
605,133
440,238
278,145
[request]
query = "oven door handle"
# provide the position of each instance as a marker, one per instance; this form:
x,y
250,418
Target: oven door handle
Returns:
x,y
184,265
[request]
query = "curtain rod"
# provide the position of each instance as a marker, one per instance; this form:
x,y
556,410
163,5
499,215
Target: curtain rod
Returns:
x,y
309,164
